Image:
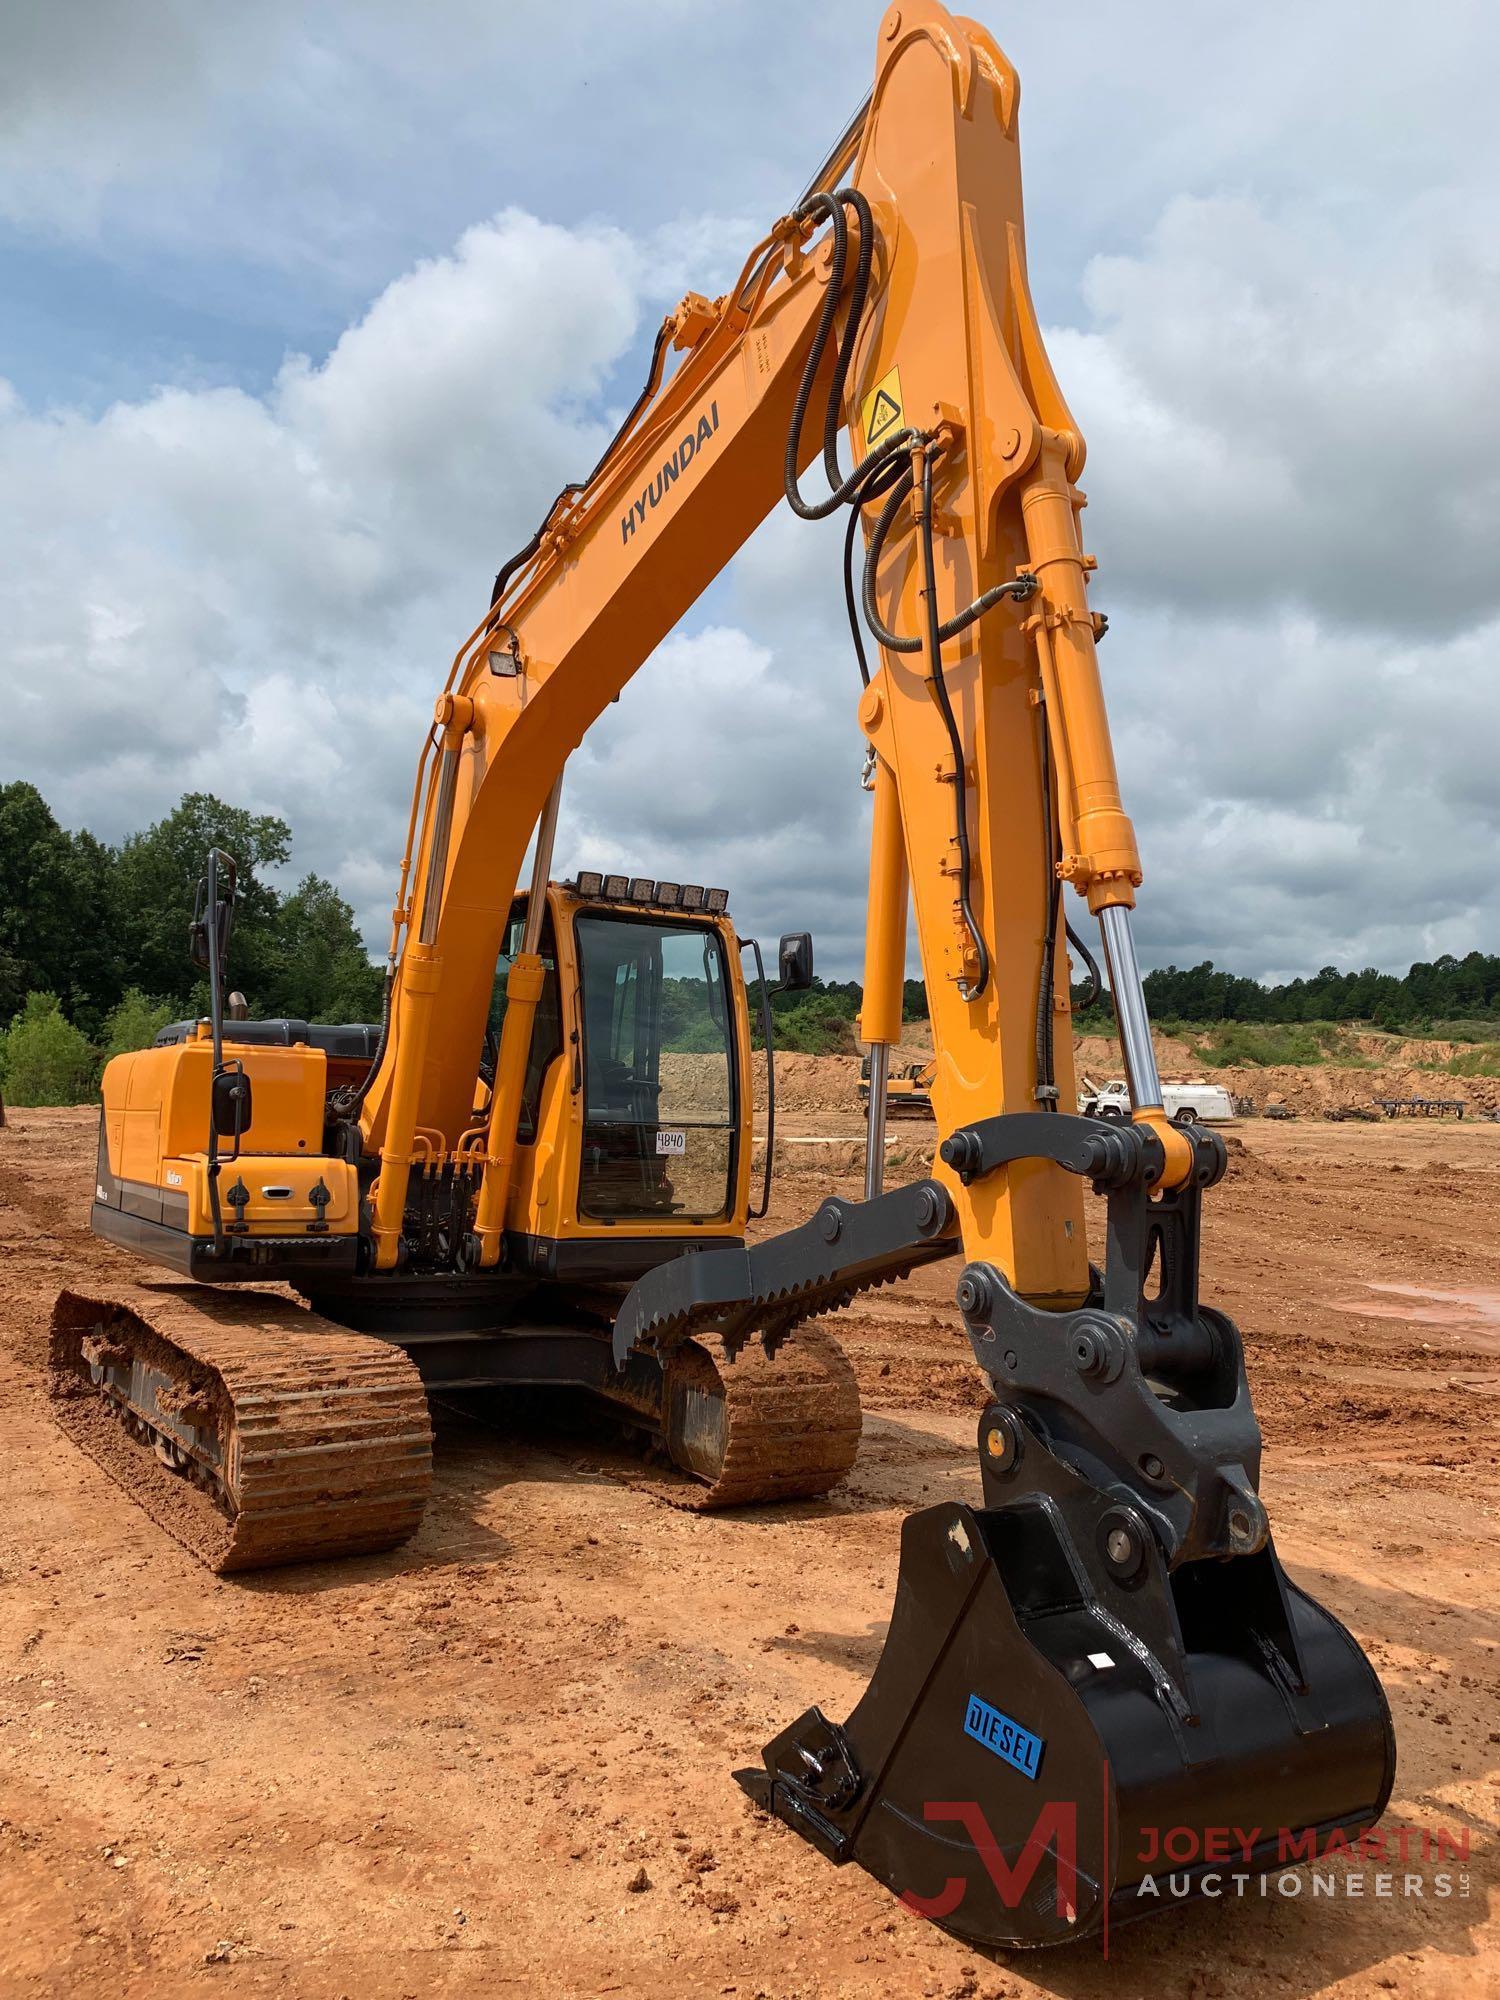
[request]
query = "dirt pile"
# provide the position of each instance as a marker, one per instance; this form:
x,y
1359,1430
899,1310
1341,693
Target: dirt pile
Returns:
x,y
816,1083
695,1087
808,1085
1319,1087
1098,1056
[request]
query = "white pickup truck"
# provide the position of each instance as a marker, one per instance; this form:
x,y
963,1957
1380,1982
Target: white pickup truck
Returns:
x,y
1192,1103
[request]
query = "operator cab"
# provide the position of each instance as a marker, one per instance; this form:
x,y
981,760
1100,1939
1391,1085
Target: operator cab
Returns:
x,y
653,1045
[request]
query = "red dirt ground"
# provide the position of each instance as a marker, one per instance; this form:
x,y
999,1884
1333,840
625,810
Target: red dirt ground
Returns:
x,y
444,1770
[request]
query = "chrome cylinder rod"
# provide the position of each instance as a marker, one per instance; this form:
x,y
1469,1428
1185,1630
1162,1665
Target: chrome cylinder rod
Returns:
x,y
880,1066
541,868
437,851
1131,1017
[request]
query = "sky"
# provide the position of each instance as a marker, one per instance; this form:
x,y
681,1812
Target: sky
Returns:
x,y
306,313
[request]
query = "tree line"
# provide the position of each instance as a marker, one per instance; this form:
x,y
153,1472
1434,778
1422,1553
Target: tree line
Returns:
x,y
823,1020
93,938
1443,992
93,955
1459,997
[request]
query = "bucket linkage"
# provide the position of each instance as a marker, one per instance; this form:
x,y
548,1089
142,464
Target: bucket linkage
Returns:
x,y
1108,1655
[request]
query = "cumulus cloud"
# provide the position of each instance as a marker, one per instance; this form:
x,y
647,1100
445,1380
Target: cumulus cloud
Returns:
x,y
254,594
730,761
1278,414
318,150
1275,325
213,150
260,594
1292,474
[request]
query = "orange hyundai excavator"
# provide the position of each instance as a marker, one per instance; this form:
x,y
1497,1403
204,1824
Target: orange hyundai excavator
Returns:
x,y
546,1175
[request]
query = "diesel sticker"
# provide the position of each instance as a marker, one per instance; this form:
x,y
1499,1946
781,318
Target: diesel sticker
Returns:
x,y
997,1732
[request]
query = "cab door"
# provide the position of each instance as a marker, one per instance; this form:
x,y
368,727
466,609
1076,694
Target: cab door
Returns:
x,y
660,1135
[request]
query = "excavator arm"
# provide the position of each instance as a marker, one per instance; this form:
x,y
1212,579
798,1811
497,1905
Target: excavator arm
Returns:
x,y
899,312
1109,1642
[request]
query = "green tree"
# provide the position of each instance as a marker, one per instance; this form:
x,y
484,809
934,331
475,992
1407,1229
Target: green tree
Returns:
x,y
134,1023
44,1059
320,970
819,1022
57,927
158,875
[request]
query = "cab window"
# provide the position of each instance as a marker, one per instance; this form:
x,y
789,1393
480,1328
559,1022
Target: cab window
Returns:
x,y
659,1085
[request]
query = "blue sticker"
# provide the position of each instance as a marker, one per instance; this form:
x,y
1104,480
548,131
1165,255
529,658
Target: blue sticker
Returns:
x,y
997,1732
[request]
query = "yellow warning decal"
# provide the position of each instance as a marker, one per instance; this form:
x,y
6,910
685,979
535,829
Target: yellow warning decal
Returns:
x,y
881,411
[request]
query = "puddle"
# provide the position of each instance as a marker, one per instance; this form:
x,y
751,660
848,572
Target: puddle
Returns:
x,y
1472,1310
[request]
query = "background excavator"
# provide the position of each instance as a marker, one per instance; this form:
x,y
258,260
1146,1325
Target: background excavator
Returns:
x,y
908,1090
556,1179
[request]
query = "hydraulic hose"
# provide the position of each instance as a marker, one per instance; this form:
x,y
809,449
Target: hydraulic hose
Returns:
x,y
858,291
1018,588
887,470
352,1103
851,604
843,492
1046,1077
843,147
828,208
877,481
1091,965
523,556
970,989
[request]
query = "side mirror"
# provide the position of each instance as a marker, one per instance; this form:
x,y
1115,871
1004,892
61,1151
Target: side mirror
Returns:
x,y
231,1103
796,962
198,944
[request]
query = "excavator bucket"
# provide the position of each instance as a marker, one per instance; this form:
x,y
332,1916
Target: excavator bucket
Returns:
x,y
1047,1748
1100,1689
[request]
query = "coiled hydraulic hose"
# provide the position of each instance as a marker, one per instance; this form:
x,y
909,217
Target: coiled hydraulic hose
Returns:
x,y
1018,588
843,492
887,470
